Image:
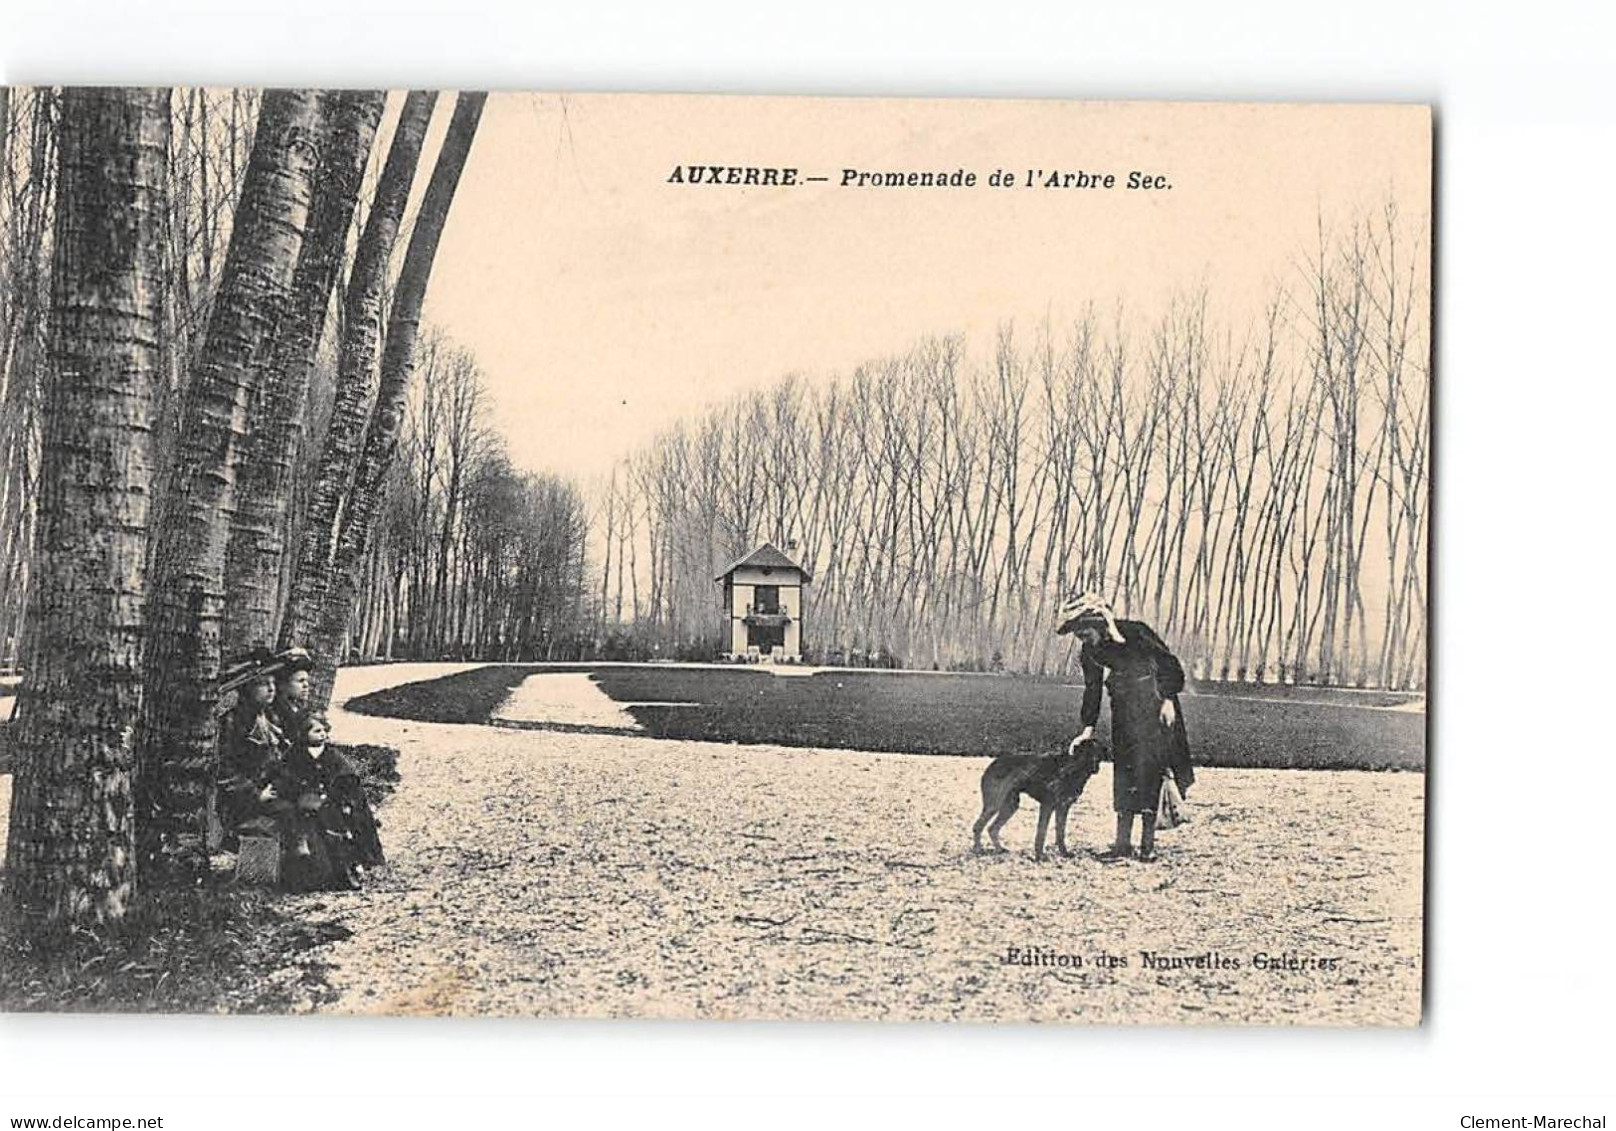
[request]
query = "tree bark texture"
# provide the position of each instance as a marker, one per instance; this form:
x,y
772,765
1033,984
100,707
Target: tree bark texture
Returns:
x,y
348,121
179,738
398,364
356,371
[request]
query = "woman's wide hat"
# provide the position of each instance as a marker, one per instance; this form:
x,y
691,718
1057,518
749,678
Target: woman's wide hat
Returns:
x,y
1087,608
261,663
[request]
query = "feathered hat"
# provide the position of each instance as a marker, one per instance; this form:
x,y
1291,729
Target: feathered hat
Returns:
x,y
246,668
294,660
259,663
1087,606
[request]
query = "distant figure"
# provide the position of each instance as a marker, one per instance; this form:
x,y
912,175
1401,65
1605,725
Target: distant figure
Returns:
x,y
1148,736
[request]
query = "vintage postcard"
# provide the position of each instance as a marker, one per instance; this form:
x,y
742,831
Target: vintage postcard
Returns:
x,y
583,555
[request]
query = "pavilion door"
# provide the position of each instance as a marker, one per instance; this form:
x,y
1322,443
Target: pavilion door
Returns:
x,y
766,637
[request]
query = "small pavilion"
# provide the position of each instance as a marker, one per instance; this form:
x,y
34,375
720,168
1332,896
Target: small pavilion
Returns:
x,y
761,606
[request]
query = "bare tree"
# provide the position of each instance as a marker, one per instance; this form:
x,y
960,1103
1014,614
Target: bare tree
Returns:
x,y
71,854
347,130
398,364
28,163
187,584
355,389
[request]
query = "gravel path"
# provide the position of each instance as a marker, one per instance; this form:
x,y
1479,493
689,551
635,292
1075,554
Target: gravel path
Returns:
x,y
542,873
569,698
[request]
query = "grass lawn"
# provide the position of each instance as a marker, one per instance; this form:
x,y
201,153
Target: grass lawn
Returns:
x,y
921,713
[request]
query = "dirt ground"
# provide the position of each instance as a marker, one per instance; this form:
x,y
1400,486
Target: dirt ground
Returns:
x,y
537,873
559,874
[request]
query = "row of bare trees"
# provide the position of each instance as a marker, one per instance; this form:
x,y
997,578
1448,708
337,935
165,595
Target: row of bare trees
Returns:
x,y
1256,492
202,454
473,559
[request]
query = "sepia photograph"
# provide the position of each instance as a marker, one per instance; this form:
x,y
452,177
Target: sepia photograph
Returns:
x,y
714,557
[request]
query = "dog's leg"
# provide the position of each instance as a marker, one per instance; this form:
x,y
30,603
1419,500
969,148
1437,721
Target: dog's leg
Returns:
x,y
993,794
1043,828
1006,811
981,823
1060,830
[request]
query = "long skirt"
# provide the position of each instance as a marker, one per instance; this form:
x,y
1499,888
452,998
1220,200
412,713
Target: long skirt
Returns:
x,y
1142,749
321,848
312,858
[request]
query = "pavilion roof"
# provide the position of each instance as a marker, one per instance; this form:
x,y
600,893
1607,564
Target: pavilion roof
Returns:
x,y
766,556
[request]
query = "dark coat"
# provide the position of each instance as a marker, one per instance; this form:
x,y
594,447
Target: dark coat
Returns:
x,y
326,824
1141,673
251,747
288,718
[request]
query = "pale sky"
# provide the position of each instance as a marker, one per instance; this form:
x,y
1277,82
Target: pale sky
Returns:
x,y
604,303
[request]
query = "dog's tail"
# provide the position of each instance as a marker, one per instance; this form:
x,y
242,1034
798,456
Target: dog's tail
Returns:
x,y
989,781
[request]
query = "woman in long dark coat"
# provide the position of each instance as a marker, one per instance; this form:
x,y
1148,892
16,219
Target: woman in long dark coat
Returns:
x,y
250,746
1148,736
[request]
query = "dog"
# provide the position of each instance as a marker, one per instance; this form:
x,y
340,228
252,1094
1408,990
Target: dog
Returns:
x,y
1054,781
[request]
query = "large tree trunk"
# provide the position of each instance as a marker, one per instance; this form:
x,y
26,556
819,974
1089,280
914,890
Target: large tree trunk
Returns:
x,y
187,594
71,851
398,364
257,533
361,342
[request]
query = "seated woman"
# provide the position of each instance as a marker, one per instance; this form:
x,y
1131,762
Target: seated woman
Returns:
x,y
328,832
294,689
250,749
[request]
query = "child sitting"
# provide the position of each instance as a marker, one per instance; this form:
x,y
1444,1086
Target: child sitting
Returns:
x,y
328,833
